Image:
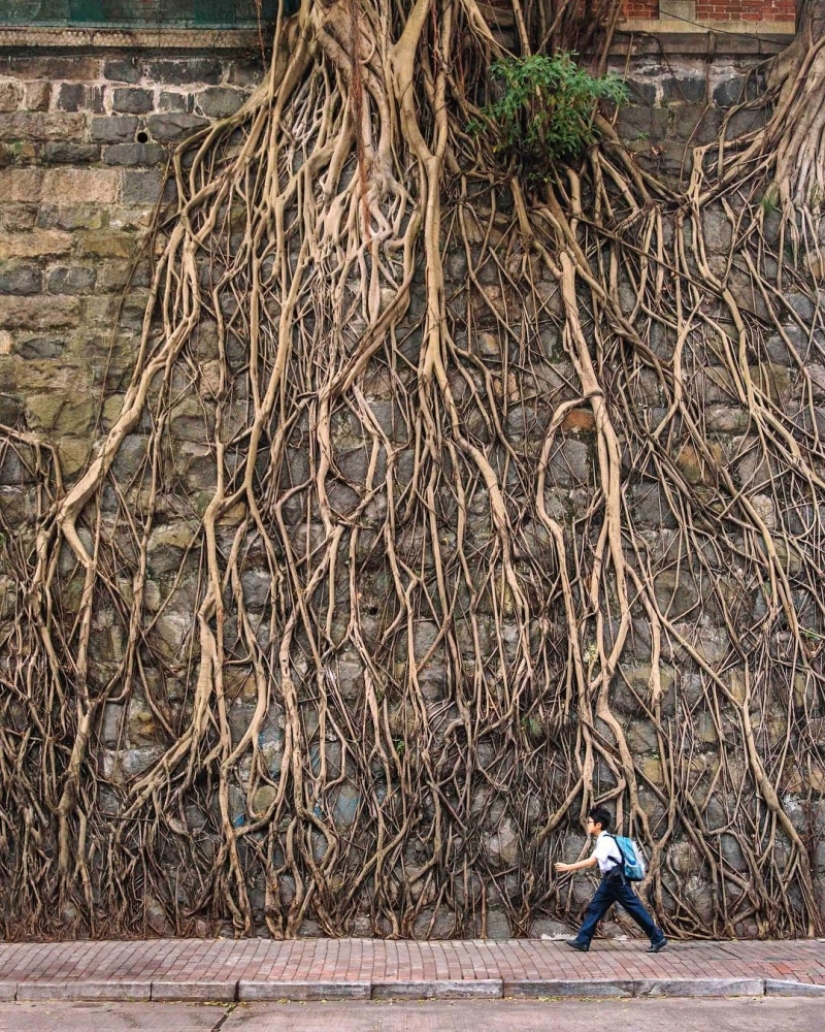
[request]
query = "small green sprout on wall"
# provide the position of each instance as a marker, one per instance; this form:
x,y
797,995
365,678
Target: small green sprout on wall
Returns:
x,y
545,113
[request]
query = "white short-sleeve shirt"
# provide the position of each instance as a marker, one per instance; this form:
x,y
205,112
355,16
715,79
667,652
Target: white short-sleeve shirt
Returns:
x,y
606,852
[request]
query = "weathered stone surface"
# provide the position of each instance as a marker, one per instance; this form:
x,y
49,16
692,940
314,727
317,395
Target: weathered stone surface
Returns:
x,y
34,244
220,101
66,152
142,187
20,278
60,186
63,414
57,67
688,89
17,217
174,127
106,243
133,154
114,128
121,69
71,96
41,312
36,125
11,94
730,91
185,70
132,101
38,96
72,279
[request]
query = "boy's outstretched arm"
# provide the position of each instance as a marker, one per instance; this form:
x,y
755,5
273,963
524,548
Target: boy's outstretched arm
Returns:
x,y
589,862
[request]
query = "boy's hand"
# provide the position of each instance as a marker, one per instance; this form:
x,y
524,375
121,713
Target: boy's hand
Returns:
x,y
560,867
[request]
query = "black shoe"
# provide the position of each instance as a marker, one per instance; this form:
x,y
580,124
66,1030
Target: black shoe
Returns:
x,y
574,944
657,947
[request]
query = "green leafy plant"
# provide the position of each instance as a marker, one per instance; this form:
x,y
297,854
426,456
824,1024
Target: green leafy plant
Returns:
x,y
545,112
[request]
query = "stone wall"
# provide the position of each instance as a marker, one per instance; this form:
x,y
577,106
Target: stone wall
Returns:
x,y
84,139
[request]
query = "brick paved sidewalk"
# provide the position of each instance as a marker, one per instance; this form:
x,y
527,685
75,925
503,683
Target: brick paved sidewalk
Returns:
x,y
311,969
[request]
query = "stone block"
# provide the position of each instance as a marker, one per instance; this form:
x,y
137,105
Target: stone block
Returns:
x,y
142,187
246,72
67,415
174,127
689,89
785,987
133,154
11,93
34,244
71,96
38,96
39,126
132,101
16,217
601,988
169,101
72,279
8,991
717,229
70,217
40,312
642,92
65,152
219,102
125,69
20,278
186,70
200,991
80,186
698,987
730,91
108,243
249,990
114,128
77,69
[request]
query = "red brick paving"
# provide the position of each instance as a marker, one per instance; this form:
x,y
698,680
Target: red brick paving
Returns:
x,y
192,969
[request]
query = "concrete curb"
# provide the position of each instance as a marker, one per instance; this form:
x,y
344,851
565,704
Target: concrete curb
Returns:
x,y
298,992
440,989
698,987
777,987
598,988
191,991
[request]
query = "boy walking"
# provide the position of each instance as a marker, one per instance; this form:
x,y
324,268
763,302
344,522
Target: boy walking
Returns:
x,y
614,886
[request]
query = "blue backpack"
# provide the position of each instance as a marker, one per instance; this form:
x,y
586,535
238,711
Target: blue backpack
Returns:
x,y
633,862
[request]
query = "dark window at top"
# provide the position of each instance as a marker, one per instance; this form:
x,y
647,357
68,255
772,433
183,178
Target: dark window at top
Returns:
x,y
140,13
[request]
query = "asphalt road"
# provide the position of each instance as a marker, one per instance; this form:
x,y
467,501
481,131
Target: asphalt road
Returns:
x,y
740,1015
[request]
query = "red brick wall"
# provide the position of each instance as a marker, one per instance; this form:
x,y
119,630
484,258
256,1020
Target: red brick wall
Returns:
x,y
722,10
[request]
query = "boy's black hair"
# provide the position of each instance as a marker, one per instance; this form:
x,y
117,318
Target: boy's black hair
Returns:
x,y
601,816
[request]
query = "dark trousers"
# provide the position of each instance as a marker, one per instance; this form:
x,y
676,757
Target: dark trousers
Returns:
x,y
616,890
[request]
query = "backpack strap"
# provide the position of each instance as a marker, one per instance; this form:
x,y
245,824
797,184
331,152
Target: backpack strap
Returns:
x,y
623,861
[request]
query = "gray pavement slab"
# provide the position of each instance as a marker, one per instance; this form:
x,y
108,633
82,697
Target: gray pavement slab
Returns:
x,y
741,1015
109,1017
762,1014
